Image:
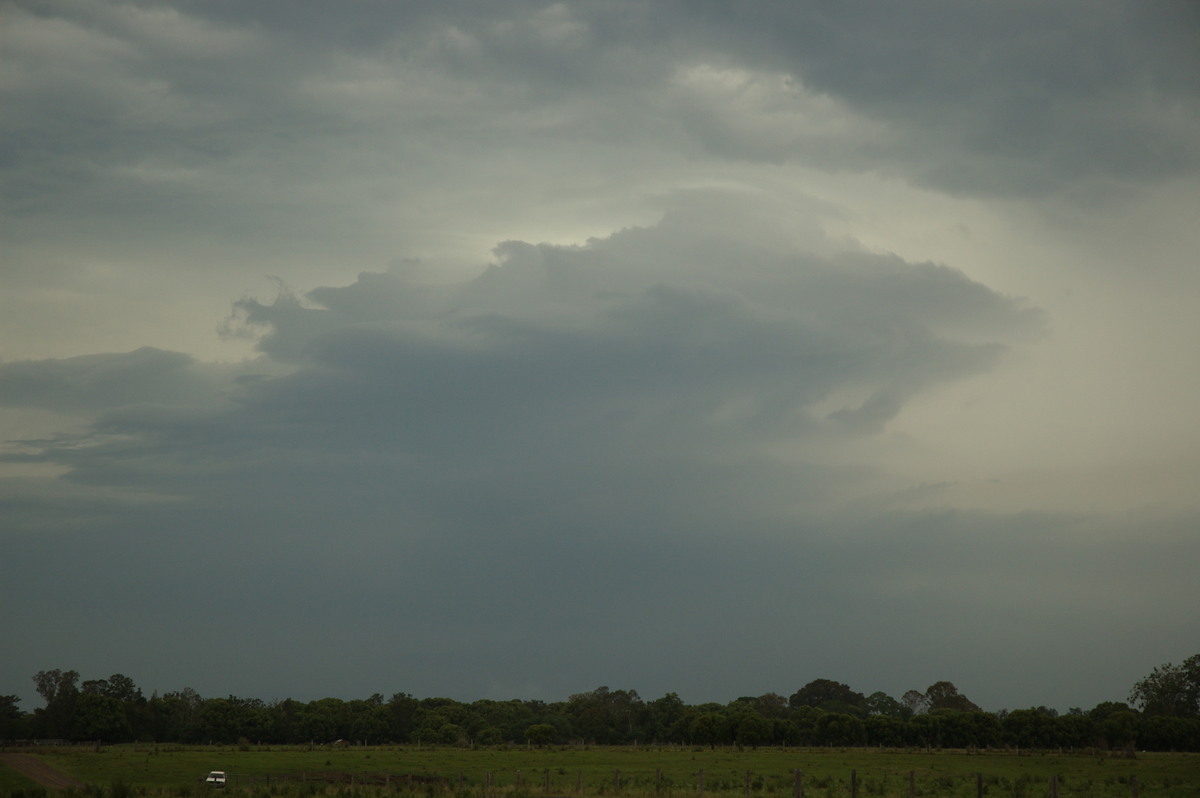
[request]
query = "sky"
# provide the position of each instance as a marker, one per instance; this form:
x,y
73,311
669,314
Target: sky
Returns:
x,y
512,349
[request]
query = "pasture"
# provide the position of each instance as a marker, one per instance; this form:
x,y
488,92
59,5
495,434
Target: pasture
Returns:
x,y
614,772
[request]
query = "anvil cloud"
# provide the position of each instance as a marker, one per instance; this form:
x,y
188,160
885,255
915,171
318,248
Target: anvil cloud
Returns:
x,y
512,349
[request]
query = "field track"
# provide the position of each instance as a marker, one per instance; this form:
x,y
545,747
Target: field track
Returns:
x,y
36,770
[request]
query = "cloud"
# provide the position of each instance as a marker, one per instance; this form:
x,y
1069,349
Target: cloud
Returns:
x,y
691,384
1008,99
95,382
661,364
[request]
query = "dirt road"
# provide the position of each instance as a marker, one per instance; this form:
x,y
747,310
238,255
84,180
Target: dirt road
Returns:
x,y
36,770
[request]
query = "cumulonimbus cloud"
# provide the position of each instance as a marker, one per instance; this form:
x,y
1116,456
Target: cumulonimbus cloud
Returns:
x,y
678,339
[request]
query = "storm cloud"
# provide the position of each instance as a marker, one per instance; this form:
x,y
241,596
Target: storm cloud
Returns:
x,y
706,347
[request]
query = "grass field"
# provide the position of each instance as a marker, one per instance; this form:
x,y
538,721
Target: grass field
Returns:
x,y
643,772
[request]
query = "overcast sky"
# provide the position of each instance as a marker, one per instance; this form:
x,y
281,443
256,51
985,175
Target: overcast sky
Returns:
x,y
511,349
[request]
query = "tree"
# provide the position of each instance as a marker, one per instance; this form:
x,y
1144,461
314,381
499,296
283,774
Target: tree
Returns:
x,y
880,703
540,734
401,709
665,715
944,695
1170,690
12,719
1119,730
769,705
753,730
1106,708
55,684
1028,728
101,717
369,720
829,695
58,688
916,702
219,720
451,734
836,728
885,730
804,721
708,729
176,716
606,716
121,689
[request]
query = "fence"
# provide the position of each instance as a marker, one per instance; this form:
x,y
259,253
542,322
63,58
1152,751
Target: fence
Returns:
x,y
528,783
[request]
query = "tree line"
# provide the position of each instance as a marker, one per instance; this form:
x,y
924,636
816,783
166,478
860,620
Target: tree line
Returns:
x,y
1163,713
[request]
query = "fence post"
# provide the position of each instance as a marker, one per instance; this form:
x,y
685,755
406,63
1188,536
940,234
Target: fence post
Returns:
x,y
518,784
979,785
617,779
912,784
798,783
747,784
702,783
1054,786
1133,787
854,784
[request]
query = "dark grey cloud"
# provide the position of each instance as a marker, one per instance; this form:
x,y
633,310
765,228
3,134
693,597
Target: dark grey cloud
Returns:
x,y
667,337
704,424
156,111
94,382
994,98
576,437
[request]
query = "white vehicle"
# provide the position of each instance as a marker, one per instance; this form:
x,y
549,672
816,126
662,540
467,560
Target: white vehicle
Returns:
x,y
215,778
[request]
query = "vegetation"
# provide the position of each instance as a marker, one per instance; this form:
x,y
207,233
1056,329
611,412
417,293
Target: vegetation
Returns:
x,y
590,772
1164,716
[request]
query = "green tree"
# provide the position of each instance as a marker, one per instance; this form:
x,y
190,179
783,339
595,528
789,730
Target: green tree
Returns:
x,y
829,695
540,734
1076,730
1172,690
944,695
174,717
219,721
769,705
664,717
708,729
119,688
369,722
836,728
880,703
1106,708
13,725
401,709
101,717
450,734
489,735
59,690
752,729
915,702
606,716
1119,730
804,720
885,730
925,729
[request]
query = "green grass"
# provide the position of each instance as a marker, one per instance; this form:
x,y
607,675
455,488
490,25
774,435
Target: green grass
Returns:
x,y
11,781
674,771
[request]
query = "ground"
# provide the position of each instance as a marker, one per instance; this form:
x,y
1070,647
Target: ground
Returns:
x,y
36,770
